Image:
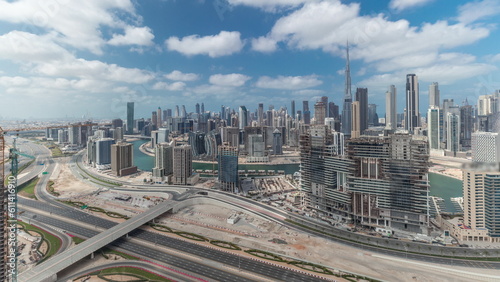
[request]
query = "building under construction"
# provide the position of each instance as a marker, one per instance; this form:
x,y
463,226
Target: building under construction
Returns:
x,y
324,171
380,181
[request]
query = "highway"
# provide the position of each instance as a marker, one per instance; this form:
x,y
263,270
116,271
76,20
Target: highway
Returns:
x,y
61,261
139,249
208,254
161,271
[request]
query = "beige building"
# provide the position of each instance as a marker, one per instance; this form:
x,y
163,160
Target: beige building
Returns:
x,y
122,159
183,165
481,187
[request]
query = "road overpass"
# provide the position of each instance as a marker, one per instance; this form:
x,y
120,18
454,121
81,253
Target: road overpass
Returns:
x,y
48,270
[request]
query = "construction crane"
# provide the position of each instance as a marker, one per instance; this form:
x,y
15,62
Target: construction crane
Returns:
x,y
3,206
8,200
12,205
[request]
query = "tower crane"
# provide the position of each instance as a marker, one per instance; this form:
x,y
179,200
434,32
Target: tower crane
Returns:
x,y
12,206
8,200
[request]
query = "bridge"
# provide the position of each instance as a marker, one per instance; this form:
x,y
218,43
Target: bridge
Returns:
x,y
47,271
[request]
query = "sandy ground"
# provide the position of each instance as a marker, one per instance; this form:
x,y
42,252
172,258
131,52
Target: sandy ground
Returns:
x,y
67,185
447,171
253,232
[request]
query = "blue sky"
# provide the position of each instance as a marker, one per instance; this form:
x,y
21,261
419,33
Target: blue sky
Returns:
x,y
65,58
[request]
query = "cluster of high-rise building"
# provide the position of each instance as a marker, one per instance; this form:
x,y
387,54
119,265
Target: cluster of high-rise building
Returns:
x,y
370,169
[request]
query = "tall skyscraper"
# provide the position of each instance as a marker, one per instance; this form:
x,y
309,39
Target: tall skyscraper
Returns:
x,y
433,131
228,168
324,99
466,125
243,117
412,103
159,121
292,114
434,99
306,113
177,112
391,121
372,115
362,98
202,107
356,120
163,160
103,151
333,110
183,164
122,159
453,133
183,112
277,143
154,120
260,114
319,112
197,106
130,118
346,111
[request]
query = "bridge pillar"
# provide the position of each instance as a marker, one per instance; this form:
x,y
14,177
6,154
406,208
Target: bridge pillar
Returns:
x,y
92,255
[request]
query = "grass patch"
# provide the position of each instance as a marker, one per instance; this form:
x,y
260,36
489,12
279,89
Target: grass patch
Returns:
x,y
161,228
116,215
77,240
135,274
265,255
28,189
191,236
50,188
311,267
53,241
226,245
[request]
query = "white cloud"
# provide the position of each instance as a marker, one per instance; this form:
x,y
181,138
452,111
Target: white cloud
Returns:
x,y
176,86
22,46
142,36
76,25
180,76
94,70
495,58
288,82
267,5
223,44
328,25
213,89
233,79
478,10
383,45
400,5
14,81
264,44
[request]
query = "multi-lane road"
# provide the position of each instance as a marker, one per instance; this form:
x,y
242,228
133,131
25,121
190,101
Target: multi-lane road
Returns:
x,y
212,256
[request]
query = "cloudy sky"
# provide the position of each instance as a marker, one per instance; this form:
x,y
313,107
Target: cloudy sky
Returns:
x,y
65,58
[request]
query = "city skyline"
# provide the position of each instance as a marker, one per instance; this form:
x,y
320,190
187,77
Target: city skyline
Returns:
x,y
150,54
61,60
